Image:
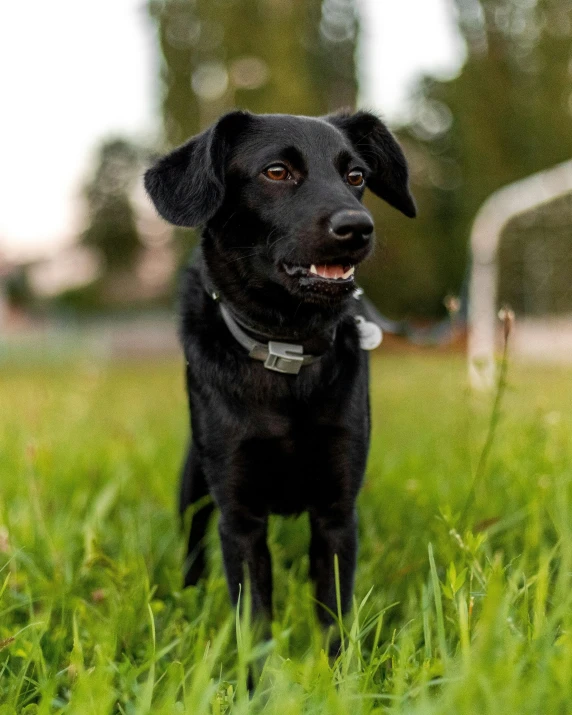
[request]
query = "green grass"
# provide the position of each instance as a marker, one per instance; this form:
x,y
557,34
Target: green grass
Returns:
x,y
449,617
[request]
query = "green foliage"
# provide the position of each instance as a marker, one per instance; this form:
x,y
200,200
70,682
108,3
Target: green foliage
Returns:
x,y
505,116
80,301
447,618
111,226
261,55
18,291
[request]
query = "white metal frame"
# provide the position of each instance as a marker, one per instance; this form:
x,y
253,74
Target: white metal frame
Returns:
x,y
487,228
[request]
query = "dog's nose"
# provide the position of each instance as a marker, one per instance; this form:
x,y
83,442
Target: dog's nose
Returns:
x,y
351,224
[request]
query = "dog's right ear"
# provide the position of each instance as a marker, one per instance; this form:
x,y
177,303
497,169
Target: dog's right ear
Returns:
x,y
187,186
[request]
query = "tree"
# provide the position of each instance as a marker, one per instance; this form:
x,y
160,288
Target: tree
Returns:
x,y
111,226
506,115
264,55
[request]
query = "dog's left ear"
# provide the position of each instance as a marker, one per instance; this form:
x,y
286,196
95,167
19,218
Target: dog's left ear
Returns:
x,y
187,186
389,178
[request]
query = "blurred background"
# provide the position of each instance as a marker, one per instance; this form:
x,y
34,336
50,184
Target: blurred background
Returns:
x,y
479,93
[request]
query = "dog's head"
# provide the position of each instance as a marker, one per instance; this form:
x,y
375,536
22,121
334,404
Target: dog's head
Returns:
x,y
281,195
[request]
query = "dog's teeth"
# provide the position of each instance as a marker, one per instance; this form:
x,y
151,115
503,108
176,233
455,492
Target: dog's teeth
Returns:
x,y
313,269
349,272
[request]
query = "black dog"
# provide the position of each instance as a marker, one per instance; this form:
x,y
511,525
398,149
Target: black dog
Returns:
x,y
277,382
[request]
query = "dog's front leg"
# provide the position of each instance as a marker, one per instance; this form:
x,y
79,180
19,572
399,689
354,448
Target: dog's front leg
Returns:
x,y
244,549
333,534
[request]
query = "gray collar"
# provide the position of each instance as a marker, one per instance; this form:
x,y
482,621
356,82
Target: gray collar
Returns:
x,y
282,357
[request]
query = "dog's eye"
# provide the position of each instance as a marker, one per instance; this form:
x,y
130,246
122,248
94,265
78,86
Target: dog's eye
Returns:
x,y
355,177
277,172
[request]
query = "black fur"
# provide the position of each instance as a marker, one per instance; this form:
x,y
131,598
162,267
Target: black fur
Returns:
x,y
264,442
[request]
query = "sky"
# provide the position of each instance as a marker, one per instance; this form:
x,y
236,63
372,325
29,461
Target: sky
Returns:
x,y
87,70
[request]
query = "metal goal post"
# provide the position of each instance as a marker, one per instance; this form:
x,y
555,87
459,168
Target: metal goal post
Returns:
x,y
491,219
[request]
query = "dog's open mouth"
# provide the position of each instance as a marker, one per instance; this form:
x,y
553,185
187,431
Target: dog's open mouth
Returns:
x,y
324,272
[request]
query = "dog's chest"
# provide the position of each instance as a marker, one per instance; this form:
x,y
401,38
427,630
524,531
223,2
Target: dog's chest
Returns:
x,y
283,474
293,469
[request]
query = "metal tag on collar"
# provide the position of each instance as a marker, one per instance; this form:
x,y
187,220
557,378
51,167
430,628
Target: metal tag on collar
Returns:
x,y
284,357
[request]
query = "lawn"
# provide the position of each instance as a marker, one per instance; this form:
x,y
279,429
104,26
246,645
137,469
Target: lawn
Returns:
x,y
462,604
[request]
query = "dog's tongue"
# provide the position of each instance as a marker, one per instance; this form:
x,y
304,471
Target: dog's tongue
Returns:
x,y
330,271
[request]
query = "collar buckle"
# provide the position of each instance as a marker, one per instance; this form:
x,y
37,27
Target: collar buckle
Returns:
x,y
284,357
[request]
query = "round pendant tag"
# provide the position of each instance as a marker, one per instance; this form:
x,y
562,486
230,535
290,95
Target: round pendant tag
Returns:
x,y
370,335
